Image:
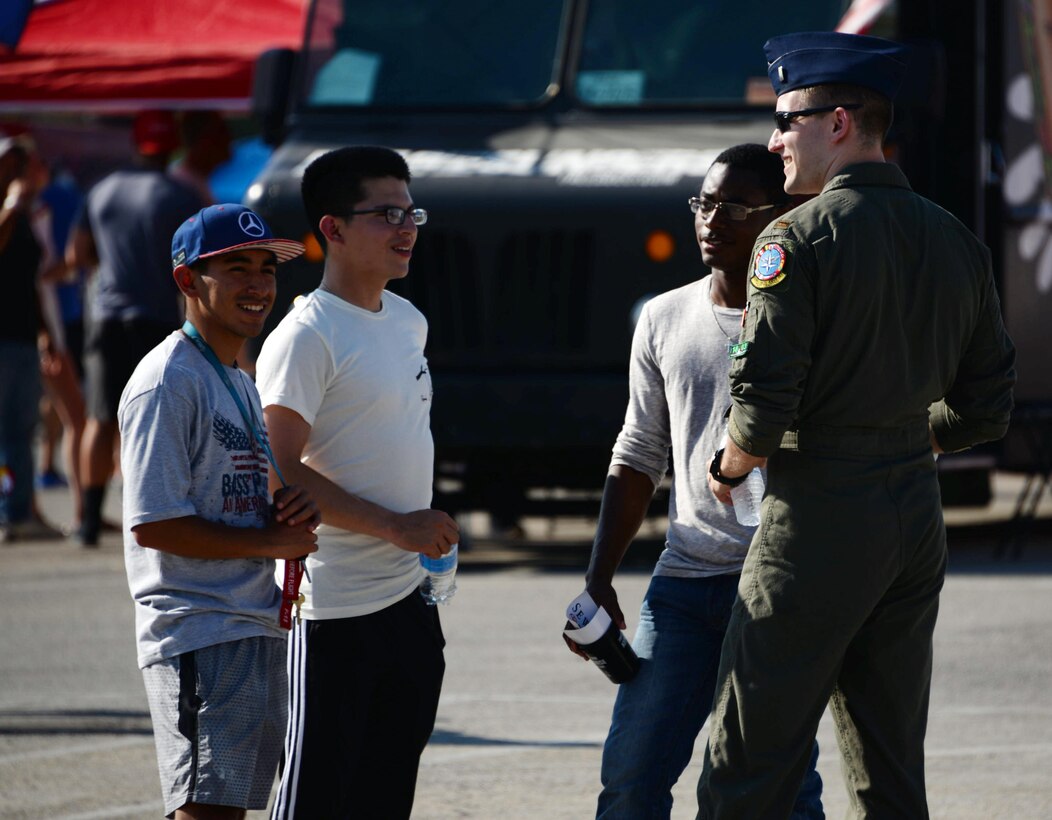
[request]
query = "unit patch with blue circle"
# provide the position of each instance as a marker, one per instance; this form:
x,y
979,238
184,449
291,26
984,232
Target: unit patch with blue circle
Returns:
x,y
768,268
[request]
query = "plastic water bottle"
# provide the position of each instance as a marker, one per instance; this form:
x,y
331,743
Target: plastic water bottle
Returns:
x,y
441,580
747,497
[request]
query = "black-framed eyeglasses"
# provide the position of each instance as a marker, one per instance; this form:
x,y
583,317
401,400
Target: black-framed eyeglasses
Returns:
x,y
732,210
395,215
784,119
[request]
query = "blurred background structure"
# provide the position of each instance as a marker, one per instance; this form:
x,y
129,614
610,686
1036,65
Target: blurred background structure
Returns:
x,y
555,144
76,71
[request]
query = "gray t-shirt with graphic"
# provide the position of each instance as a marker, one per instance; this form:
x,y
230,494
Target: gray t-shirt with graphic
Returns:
x,y
186,451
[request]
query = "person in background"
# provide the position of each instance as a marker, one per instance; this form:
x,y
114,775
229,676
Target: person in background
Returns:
x,y
201,536
678,399
62,410
873,338
20,323
206,142
52,268
347,399
64,200
123,235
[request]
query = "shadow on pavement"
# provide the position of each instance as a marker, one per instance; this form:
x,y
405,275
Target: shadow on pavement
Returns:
x,y
457,739
74,722
1000,547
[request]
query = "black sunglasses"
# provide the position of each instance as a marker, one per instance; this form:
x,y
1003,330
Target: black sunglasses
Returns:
x,y
784,119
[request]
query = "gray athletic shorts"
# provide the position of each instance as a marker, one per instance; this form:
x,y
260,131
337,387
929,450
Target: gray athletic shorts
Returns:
x,y
219,718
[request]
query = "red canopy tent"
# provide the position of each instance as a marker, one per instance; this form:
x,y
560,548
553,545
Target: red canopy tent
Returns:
x,y
101,55
128,54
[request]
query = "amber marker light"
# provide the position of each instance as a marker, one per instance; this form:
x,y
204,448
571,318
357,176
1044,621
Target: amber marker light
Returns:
x,y
660,246
313,251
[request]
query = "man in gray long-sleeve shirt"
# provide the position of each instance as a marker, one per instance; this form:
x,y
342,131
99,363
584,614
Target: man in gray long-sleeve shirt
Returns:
x,y
678,397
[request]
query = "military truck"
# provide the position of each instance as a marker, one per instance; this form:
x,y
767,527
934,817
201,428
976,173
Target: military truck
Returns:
x,y
555,145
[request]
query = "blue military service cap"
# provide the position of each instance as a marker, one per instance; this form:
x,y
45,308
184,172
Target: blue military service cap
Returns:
x,y
825,57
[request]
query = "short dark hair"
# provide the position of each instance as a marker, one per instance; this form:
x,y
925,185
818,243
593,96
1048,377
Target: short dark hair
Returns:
x,y
333,183
750,156
875,116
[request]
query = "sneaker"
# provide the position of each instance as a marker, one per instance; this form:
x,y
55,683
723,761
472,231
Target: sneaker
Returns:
x,y
86,538
50,480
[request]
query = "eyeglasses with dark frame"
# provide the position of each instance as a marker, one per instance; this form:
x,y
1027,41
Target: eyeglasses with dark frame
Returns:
x,y
783,120
396,215
733,210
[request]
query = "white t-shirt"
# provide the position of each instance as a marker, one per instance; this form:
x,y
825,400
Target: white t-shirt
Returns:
x,y
361,381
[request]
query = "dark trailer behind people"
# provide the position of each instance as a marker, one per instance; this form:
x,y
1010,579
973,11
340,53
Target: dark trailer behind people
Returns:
x,y
555,146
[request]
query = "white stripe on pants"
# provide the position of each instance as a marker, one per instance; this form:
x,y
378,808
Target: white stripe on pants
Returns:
x,y
285,802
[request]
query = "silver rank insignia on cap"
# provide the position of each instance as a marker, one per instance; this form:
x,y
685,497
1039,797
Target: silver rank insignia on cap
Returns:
x,y
781,73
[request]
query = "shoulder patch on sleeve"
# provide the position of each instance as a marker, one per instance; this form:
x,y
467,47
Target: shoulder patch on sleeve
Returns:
x,y
769,266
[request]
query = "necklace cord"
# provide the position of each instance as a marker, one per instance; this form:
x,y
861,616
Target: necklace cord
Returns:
x,y
296,568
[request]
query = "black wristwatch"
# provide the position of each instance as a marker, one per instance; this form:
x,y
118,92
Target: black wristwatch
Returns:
x,y
714,471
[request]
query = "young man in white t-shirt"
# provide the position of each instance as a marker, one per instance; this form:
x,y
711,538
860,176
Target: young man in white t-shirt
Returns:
x,y
347,401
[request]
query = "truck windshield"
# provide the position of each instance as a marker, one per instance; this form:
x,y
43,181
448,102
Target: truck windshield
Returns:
x,y
422,53
687,52
507,53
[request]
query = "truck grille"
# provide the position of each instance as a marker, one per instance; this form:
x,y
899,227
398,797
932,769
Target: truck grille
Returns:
x,y
526,294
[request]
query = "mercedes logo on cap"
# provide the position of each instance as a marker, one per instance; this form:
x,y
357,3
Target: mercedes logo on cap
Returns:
x,y
251,224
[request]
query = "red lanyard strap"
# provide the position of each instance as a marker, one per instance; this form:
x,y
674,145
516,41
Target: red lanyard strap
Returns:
x,y
290,592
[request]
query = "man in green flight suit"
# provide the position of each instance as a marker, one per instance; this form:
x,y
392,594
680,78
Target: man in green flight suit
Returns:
x,y
873,337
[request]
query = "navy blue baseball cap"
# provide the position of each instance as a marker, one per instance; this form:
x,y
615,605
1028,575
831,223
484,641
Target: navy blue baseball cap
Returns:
x,y
224,228
824,57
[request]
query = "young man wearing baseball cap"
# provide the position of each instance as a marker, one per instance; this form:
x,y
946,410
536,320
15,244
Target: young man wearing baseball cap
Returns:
x,y
200,535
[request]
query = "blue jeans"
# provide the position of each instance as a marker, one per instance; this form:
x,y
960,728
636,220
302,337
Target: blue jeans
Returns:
x,y
659,713
19,411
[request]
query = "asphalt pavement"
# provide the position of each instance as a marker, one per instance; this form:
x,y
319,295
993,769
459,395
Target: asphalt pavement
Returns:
x,y
521,723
